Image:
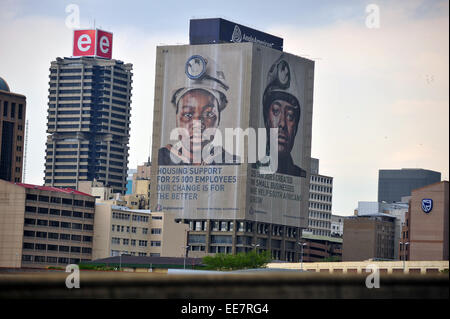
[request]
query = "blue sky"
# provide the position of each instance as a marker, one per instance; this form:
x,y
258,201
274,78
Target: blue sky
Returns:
x,y
381,95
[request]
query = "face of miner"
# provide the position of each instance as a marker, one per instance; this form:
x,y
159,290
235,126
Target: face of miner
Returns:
x,y
198,105
283,115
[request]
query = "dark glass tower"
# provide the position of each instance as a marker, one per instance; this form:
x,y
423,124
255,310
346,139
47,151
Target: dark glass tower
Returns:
x,y
393,184
88,122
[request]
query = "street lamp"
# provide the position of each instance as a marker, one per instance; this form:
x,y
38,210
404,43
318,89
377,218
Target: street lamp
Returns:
x,y
301,253
404,246
185,256
255,246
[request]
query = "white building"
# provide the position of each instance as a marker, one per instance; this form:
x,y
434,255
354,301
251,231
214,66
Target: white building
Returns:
x,y
320,202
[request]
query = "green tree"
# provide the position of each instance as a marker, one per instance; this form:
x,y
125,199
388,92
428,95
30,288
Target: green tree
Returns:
x,y
251,259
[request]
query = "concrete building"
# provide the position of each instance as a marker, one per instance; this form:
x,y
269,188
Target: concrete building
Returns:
x,y
425,232
337,225
12,133
88,122
318,248
397,210
43,226
320,201
121,230
393,184
131,172
369,236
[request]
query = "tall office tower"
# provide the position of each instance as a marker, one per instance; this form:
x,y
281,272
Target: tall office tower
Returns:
x,y
320,201
88,118
393,184
243,196
12,129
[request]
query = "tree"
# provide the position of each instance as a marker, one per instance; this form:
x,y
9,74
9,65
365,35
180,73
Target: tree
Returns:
x,y
251,259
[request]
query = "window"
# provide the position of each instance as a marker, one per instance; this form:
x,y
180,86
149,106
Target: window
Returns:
x,y
156,231
28,246
56,200
88,227
77,214
155,243
65,225
76,237
32,197
143,243
53,235
5,109
144,231
41,222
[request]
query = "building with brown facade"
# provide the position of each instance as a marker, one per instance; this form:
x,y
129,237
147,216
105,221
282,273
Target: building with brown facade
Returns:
x,y
319,248
43,226
12,132
369,237
425,232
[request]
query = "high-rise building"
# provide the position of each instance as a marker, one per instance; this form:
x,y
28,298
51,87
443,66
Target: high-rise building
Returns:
x,y
320,201
232,201
12,131
88,120
393,184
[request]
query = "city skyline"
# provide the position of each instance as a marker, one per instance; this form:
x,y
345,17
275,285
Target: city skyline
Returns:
x,y
379,102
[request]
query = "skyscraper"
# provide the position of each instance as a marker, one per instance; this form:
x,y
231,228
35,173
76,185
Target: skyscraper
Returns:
x,y
88,121
12,124
393,184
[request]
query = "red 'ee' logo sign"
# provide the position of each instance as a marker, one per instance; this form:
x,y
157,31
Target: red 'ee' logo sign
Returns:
x,y
92,43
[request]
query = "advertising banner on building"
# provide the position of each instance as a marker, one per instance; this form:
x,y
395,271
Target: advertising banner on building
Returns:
x,y
231,133
282,96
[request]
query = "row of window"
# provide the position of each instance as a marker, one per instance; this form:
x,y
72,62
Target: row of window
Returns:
x,y
57,236
12,111
57,212
57,224
57,248
321,179
320,206
52,260
314,214
226,226
132,253
319,188
320,197
132,242
60,200
122,229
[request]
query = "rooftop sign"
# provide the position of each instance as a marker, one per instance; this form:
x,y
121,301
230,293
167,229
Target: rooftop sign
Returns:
x,y
216,30
92,43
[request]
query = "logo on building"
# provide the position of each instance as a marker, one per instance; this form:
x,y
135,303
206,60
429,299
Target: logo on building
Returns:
x,y
427,205
237,35
92,43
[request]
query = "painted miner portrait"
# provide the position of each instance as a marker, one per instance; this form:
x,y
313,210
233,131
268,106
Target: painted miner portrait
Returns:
x,y
282,110
198,106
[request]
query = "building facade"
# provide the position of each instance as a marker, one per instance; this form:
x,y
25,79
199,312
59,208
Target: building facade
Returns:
x,y
425,232
12,133
88,122
337,225
318,248
320,201
136,232
43,226
393,184
369,237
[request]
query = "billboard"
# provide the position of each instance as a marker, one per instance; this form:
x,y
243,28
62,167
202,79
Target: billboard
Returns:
x,y
214,153
92,43
216,30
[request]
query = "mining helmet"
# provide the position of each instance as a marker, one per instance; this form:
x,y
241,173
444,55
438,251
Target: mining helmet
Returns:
x,y
280,84
205,74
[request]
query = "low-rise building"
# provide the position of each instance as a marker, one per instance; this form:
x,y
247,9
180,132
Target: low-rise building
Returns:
x,y
369,236
319,248
124,231
337,225
425,232
43,226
